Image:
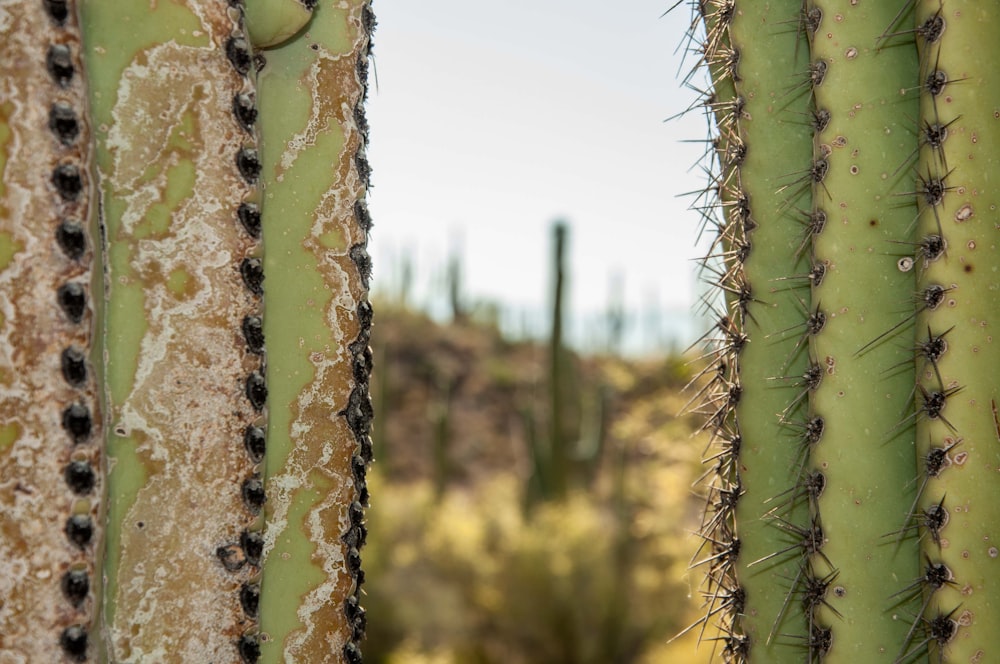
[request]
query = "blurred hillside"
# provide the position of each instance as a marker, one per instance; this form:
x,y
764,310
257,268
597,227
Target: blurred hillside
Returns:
x,y
474,554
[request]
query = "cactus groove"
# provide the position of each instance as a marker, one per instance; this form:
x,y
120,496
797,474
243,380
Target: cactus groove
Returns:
x,y
851,396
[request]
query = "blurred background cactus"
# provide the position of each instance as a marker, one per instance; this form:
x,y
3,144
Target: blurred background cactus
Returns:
x,y
483,566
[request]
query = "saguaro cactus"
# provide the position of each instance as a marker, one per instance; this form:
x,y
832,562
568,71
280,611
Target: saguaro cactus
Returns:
x,y
175,489
851,393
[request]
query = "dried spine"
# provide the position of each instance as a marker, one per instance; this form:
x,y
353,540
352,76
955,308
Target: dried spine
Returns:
x,y
50,425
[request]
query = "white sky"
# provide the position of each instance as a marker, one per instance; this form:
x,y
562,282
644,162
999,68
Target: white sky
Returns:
x,y
492,119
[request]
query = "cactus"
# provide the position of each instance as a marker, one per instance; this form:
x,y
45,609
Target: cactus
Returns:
x,y
855,427
569,457
153,169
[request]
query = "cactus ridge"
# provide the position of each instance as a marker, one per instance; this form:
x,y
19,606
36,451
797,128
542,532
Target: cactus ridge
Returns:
x,y
748,214
317,216
956,395
49,417
131,166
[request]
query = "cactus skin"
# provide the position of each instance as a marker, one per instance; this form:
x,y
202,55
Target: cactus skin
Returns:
x,y
36,327
315,228
866,450
273,22
906,397
757,393
966,163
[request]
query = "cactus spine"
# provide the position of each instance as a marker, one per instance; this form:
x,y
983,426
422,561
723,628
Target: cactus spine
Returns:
x,y
160,367
841,541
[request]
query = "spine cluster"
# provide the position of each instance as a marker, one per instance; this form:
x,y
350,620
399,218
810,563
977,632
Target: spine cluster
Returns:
x,y
360,411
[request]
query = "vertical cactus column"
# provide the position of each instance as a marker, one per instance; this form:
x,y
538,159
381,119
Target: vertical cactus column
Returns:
x,y
768,286
318,326
185,377
958,425
757,401
50,425
864,522
557,454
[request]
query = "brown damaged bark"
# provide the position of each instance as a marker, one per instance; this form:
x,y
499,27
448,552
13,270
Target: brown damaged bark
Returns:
x,y
185,550
50,427
331,415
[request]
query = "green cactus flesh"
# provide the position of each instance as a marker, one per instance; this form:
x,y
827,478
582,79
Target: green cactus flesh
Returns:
x,y
773,297
272,22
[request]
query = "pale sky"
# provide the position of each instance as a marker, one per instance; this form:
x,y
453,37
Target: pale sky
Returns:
x,y
492,119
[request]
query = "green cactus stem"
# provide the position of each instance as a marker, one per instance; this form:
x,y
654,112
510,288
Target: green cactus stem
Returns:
x,y
760,261
958,425
559,445
767,281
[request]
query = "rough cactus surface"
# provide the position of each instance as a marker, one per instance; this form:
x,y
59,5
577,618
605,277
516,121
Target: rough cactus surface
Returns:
x,y
850,393
315,230
51,483
183,443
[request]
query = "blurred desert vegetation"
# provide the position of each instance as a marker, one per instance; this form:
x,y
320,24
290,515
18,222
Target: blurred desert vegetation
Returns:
x,y
531,503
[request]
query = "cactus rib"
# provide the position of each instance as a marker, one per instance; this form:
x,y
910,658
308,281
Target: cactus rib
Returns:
x,y
175,164
315,228
958,426
773,126
867,450
50,425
